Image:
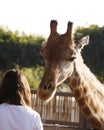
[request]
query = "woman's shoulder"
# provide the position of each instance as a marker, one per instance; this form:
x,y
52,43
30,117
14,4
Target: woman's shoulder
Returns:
x,y
3,108
31,111
21,108
3,105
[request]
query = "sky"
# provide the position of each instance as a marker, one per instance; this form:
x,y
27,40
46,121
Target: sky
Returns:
x,y
34,16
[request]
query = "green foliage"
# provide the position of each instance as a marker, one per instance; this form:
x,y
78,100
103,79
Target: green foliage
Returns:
x,y
23,50
91,30
33,75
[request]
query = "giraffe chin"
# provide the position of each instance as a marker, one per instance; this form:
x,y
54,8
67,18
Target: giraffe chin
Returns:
x,y
46,95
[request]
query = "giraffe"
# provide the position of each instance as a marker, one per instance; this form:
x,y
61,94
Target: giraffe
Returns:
x,y
63,60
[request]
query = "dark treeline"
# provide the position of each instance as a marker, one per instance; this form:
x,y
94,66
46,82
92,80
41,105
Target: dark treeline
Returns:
x,y
94,52
20,50
24,50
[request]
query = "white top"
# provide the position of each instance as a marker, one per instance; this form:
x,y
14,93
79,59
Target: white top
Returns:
x,y
17,117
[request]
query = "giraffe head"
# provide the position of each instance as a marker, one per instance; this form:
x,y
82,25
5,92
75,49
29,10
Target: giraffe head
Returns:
x,y
59,53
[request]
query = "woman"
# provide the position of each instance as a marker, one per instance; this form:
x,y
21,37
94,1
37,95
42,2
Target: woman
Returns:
x,y
15,104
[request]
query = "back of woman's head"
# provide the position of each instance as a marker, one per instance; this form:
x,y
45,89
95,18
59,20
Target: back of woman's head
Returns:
x,y
14,89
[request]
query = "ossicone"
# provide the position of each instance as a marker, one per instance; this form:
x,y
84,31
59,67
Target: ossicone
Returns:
x,y
53,26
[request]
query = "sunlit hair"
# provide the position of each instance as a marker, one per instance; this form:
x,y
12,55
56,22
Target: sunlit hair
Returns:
x,y
14,89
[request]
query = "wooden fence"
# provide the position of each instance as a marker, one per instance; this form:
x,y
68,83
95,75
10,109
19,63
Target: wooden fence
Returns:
x,y
62,110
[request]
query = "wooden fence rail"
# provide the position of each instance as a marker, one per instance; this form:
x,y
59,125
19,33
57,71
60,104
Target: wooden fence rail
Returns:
x,y
62,110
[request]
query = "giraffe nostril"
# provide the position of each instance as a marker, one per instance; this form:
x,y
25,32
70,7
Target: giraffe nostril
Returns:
x,y
48,86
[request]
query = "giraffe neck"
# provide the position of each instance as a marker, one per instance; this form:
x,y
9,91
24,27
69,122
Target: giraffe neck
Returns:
x,y
89,94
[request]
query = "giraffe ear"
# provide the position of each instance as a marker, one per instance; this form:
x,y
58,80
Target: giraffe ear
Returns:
x,y
79,44
84,40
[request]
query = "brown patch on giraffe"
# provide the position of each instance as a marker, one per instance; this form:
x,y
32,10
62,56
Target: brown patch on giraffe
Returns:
x,y
91,102
81,90
81,101
79,81
87,111
95,109
87,98
85,90
95,122
74,83
76,74
77,93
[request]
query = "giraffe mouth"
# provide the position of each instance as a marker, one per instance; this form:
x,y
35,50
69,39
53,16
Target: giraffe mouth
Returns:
x,y
46,92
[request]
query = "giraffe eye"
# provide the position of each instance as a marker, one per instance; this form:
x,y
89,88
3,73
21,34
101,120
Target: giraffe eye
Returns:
x,y
71,59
